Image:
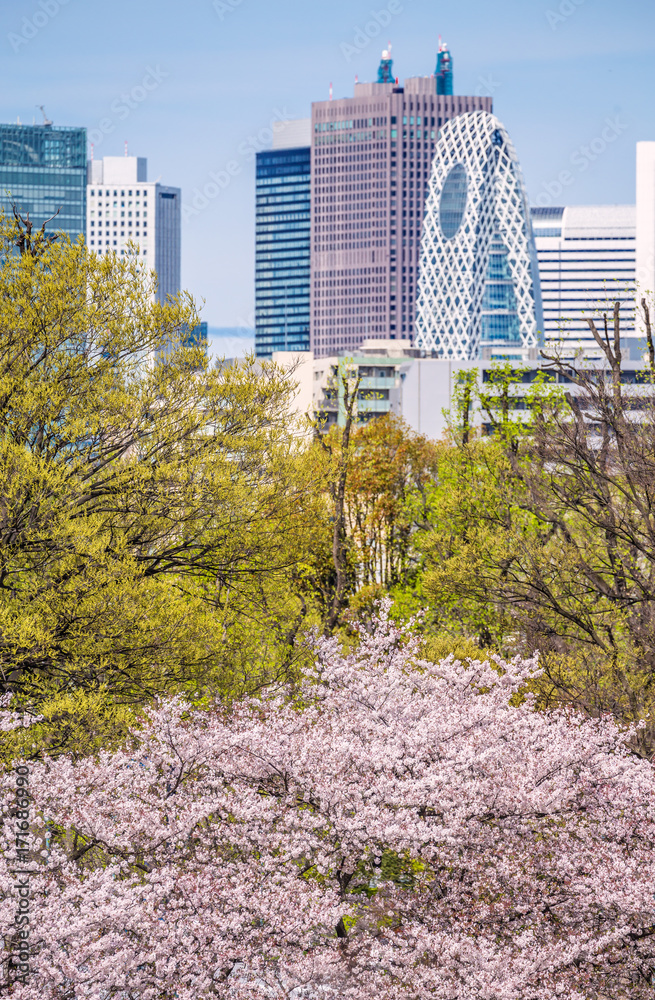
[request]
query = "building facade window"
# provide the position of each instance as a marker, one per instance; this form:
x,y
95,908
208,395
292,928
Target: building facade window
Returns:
x,y
282,251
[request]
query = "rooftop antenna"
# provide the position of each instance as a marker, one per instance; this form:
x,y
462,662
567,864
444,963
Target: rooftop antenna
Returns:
x,y
385,69
126,147
356,78
46,120
330,91
92,148
444,70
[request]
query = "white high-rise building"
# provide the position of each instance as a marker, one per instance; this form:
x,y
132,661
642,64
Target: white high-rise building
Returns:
x,y
645,256
123,207
478,289
586,257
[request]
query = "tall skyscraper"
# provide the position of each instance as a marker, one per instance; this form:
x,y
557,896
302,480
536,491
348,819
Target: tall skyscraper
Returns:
x,y
444,70
123,207
282,242
586,263
479,282
371,158
42,170
385,71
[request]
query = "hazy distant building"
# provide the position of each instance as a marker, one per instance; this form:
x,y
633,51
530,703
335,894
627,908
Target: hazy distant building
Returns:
x,y
371,159
123,207
385,69
198,336
282,241
43,170
586,263
444,70
478,294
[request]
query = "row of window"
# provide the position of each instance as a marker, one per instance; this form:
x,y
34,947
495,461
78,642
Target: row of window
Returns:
x,y
129,234
589,253
143,192
115,215
282,259
114,205
596,239
42,182
281,311
143,253
291,204
298,222
283,184
283,264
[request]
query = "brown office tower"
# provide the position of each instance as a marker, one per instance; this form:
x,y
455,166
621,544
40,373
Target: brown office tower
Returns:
x,y
371,158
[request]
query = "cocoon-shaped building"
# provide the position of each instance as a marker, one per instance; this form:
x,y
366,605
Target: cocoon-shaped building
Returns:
x,y
478,290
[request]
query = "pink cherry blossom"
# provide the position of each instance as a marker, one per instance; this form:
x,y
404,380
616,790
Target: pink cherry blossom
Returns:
x,y
393,829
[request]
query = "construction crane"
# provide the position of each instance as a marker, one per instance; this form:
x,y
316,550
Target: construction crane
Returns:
x,y
46,120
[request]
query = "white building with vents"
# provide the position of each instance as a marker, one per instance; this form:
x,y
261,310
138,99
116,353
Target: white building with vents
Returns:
x,y
645,228
123,207
478,291
586,263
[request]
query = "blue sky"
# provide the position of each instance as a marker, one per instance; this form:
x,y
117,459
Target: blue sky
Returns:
x,y
195,85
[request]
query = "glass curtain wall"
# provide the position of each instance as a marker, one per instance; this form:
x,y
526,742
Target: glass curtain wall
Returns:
x,y
282,281
43,169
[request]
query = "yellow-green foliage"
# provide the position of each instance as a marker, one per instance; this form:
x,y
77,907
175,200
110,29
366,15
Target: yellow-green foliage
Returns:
x,y
588,681
152,508
437,647
476,526
77,722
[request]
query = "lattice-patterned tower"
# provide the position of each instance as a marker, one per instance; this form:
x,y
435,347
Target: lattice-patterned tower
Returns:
x,y
478,290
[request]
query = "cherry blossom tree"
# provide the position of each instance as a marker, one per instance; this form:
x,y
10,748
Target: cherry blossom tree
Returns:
x,y
391,829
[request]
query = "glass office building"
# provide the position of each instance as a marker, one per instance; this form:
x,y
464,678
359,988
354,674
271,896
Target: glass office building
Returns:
x,y
282,243
42,169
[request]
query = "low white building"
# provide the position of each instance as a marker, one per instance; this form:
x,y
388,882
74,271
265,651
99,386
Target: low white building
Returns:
x,y
394,379
420,390
124,207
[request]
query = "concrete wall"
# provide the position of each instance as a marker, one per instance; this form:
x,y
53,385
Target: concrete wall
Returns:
x,y
302,363
427,390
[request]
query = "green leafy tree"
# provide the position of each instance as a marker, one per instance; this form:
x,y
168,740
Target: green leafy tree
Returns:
x,y
152,508
477,524
392,469
541,532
